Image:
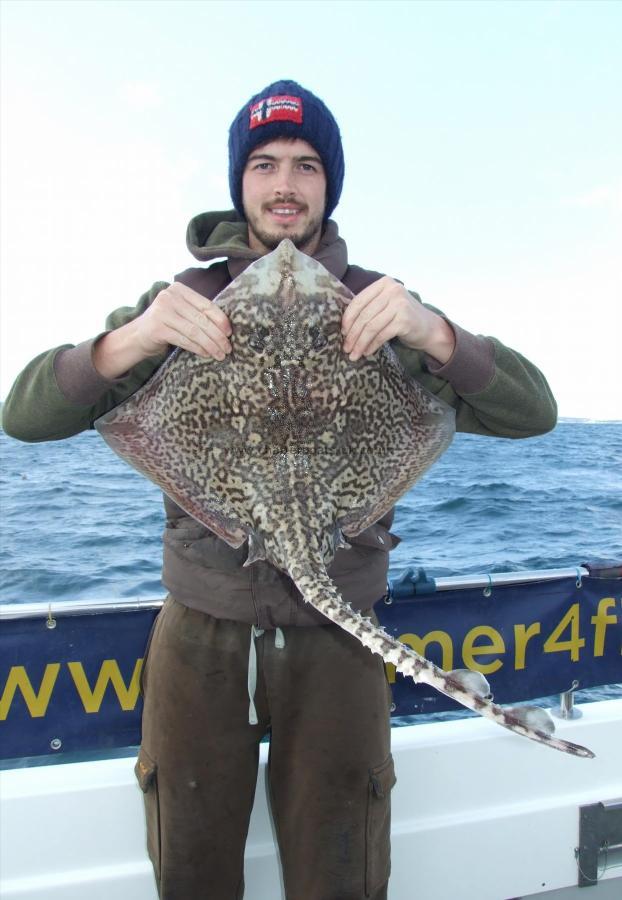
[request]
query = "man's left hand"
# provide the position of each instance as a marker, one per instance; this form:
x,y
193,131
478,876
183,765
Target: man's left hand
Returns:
x,y
386,310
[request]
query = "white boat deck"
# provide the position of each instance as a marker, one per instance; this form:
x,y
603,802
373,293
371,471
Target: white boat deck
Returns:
x,y
478,814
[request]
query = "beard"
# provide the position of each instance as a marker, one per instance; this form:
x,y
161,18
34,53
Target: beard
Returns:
x,y
272,239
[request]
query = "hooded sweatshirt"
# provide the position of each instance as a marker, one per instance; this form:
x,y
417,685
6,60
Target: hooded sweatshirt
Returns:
x,y
494,391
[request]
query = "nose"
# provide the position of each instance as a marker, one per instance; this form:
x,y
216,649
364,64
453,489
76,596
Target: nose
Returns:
x,y
284,183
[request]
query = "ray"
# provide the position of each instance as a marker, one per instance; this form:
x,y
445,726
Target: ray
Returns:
x,y
289,445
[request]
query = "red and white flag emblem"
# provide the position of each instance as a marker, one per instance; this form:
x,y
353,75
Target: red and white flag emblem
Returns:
x,y
282,108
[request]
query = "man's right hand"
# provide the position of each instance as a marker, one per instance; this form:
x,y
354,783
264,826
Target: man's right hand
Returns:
x,y
179,317
183,318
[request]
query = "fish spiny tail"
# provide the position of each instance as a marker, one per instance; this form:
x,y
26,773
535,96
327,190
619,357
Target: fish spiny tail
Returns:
x,y
464,686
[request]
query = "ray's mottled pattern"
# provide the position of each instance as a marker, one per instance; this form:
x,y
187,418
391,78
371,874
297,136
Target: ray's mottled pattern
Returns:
x,y
289,445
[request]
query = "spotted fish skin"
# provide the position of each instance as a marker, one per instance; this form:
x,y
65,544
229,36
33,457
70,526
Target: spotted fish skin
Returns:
x,y
291,446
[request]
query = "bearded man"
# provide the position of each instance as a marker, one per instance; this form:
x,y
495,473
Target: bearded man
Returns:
x,y
235,654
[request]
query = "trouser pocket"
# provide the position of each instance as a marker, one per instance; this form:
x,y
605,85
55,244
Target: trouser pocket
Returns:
x,y
378,836
146,772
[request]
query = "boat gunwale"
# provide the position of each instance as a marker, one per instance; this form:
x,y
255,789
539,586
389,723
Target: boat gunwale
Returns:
x,y
61,608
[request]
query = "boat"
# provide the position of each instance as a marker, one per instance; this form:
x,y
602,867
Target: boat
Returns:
x,y
478,813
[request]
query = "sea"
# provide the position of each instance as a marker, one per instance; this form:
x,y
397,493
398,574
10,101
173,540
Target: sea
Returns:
x,y
80,524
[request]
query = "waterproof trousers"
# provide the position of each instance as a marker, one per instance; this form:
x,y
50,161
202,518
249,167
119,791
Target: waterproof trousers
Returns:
x,y
324,700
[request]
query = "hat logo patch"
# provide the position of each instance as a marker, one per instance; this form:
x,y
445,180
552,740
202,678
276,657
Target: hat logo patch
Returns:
x,y
281,108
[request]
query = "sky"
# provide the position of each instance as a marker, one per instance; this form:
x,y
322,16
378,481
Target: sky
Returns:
x,y
483,145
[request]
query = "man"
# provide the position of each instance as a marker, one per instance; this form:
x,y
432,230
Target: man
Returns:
x,y
234,652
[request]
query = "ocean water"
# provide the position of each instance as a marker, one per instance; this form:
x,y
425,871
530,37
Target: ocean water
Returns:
x,y
78,523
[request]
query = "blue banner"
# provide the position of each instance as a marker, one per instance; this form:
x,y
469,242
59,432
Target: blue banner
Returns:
x,y
76,687
529,640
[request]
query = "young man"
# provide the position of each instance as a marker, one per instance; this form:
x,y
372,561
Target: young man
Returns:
x,y
234,653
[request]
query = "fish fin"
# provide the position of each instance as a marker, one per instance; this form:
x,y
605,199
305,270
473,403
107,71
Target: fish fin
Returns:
x,y
339,541
471,681
256,549
533,717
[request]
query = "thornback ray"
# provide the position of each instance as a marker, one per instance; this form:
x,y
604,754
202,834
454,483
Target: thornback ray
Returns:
x,y
290,446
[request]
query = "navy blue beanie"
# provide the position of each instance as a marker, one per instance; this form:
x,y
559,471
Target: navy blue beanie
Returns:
x,y
285,109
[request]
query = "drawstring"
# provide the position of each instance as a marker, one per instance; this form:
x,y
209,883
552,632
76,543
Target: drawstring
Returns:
x,y
279,643
252,675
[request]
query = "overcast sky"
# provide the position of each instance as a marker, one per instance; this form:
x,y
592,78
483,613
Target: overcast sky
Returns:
x,y
483,159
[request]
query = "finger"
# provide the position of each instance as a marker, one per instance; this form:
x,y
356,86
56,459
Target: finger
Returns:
x,y
217,316
364,318
195,323
217,327
381,338
202,335
202,305
383,323
208,349
359,302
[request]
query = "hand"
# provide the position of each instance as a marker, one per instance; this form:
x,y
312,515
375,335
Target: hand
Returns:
x,y
184,318
178,316
385,310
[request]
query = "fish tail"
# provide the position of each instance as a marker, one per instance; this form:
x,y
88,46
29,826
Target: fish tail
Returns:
x,y
465,686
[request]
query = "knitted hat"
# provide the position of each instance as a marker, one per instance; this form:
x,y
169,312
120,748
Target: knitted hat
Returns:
x,y
285,109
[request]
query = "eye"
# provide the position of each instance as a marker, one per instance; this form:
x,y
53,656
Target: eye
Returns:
x,y
318,338
257,340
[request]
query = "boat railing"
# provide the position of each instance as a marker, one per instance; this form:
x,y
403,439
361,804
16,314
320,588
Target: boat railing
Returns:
x,y
70,670
44,608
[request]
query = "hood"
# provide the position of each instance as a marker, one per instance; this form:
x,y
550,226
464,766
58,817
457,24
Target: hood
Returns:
x,y
223,234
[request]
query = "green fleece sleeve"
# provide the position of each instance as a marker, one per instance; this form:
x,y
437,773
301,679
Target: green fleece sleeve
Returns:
x,y
494,390
60,393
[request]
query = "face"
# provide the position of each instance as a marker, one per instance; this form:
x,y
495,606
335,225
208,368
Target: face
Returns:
x,y
284,195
